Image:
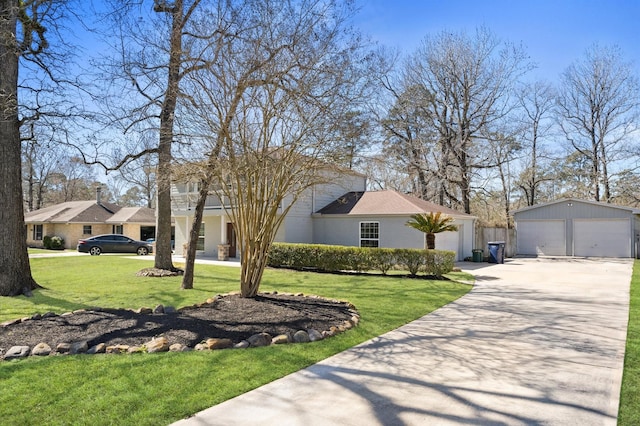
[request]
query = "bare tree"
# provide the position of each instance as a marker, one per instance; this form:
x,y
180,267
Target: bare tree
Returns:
x,y
271,106
72,180
154,51
598,108
39,160
138,178
504,149
536,101
469,80
354,138
410,139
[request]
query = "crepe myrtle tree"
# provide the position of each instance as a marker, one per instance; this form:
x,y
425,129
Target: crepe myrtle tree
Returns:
x,y
268,114
431,224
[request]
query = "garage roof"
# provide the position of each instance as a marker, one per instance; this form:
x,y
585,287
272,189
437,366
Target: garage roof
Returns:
x,y
578,200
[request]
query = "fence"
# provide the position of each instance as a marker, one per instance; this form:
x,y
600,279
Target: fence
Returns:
x,y
485,235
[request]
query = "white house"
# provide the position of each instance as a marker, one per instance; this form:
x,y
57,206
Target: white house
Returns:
x,y
378,219
341,212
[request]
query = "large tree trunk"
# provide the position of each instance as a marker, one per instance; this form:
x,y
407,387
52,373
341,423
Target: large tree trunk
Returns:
x,y
163,229
15,272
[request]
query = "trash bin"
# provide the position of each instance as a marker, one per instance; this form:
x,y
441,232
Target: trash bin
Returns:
x,y
496,251
478,255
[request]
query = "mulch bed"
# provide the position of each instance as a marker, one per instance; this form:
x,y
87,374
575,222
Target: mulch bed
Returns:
x,y
230,316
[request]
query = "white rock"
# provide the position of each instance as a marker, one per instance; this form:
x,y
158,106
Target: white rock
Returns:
x,y
15,352
41,349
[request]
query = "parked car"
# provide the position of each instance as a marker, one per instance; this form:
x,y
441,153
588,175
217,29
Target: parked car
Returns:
x,y
153,240
113,243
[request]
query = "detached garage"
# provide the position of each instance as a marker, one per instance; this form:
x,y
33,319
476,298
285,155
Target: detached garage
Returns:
x,y
573,227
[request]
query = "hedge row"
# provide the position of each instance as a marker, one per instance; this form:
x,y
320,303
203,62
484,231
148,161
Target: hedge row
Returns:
x,y
341,258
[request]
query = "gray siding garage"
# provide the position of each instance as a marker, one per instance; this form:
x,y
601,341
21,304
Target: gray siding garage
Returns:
x,y
573,227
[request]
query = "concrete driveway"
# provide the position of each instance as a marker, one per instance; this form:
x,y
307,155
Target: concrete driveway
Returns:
x,y
537,341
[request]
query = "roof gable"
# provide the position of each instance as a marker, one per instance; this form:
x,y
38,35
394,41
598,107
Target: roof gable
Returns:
x,y
384,203
577,200
133,215
90,212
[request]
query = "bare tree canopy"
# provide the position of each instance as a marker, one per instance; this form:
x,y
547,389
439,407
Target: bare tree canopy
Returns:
x,y
153,47
536,102
269,107
598,107
468,79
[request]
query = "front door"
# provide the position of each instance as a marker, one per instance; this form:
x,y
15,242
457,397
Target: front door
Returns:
x,y
231,239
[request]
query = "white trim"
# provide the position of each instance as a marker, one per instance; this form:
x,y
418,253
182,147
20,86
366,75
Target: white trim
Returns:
x,y
360,239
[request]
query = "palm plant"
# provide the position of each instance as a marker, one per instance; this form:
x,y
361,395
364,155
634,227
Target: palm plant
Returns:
x,y
431,224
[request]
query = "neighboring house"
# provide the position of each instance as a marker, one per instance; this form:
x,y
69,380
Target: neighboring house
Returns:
x,y
73,220
574,227
339,213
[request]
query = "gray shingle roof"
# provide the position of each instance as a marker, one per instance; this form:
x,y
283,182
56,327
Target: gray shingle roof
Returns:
x,y
134,215
384,203
90,212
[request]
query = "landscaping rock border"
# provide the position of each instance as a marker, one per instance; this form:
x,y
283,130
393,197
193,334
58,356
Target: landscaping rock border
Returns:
x,y
162,344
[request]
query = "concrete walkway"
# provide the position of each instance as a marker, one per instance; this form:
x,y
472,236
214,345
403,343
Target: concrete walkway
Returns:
x,y
537,341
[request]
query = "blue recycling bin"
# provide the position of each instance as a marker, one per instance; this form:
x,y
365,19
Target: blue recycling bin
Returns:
x,y
496,251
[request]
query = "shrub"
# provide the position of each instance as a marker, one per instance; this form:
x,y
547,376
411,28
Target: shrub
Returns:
x,y
439,262
340,258
383,259
57,243
53,243
412,259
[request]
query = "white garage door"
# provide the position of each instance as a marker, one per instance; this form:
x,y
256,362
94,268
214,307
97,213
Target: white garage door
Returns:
x,y
541,237
602,237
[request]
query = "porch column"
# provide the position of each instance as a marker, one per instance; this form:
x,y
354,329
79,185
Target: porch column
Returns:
x,y
187,220
223,229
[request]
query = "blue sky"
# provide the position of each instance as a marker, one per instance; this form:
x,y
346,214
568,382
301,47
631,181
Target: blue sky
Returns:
x,y
554,33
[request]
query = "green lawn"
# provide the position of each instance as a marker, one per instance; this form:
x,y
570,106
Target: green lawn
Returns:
x,y
629,413
153,389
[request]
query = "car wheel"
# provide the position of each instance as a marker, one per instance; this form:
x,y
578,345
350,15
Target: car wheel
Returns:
x,y
143,251
95,251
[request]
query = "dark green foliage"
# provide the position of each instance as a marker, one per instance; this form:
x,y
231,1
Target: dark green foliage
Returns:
x,y
341,258
53,243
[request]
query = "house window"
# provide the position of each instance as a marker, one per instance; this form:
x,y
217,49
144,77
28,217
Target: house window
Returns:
x,y
200,245
369,234
117,229
37,232
86,230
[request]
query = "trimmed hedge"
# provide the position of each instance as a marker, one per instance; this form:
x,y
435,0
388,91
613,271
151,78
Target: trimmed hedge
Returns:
x,y
329,258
